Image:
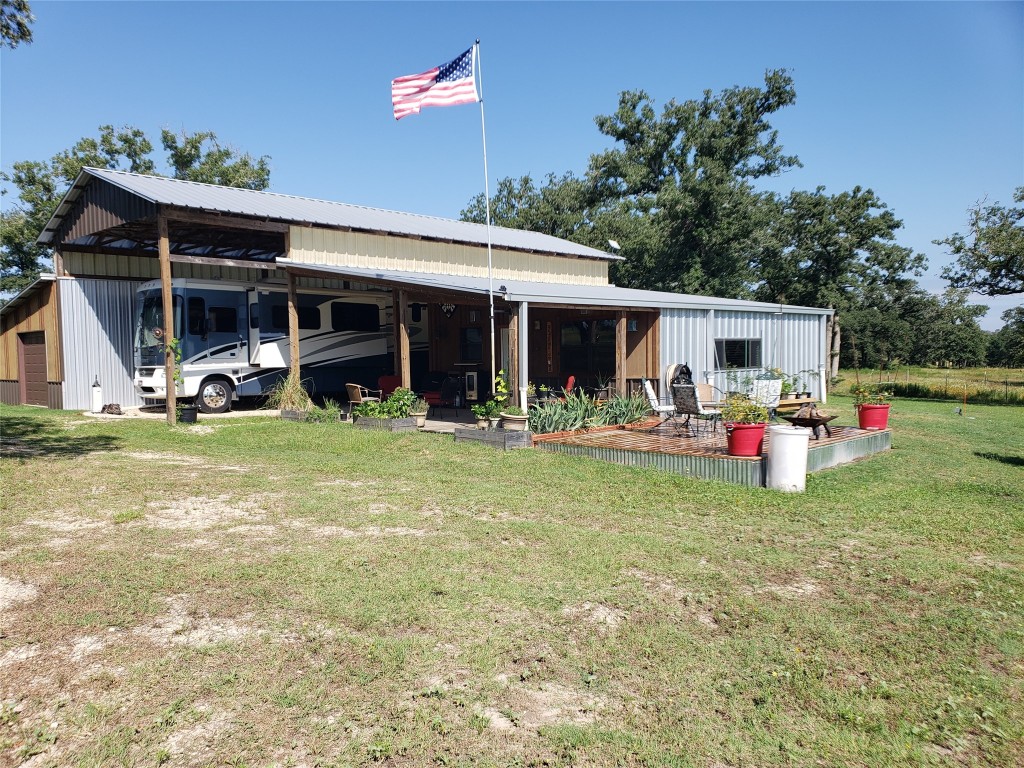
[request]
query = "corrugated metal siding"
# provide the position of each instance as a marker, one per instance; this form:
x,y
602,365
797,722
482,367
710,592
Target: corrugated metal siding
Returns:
x,y
749,472
101,207
833,454
96,326
313,245
10,392
684,340
789,341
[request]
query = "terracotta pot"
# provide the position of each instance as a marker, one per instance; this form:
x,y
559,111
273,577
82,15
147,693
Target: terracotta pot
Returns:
x,y
873,416
744,439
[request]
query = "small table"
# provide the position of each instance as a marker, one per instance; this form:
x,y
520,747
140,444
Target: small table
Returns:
x,y
813,423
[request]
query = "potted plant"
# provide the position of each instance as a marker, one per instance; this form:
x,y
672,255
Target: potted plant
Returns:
x,y
745,422
480,411
418,410
493,413
186,412
512,417
871,401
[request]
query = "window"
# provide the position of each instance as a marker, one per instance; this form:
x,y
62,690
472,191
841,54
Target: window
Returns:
x,y
223,320
309,318
196,316
471,345
347,316
737,353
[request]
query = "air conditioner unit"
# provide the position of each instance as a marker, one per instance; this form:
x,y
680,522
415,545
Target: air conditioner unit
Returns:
x,y
472,386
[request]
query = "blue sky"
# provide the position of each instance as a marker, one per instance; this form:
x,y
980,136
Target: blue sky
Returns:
x,y
922,102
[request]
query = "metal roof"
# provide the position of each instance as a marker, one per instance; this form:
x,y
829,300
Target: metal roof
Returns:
x,y
24,293
554,293
304,211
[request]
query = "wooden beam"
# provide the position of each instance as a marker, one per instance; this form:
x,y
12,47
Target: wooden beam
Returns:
x,y
620,354
214,261
164,252
402,357
513,359
227,221
293,324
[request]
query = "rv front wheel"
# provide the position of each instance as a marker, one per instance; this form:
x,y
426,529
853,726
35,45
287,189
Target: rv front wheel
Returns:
x,y
214,396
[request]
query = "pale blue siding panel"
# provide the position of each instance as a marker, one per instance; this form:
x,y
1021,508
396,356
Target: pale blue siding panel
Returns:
x,y
96,340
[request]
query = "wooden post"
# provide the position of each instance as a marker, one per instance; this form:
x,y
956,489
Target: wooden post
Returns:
x,y
513,360
164,254
401,313
293,324
620,354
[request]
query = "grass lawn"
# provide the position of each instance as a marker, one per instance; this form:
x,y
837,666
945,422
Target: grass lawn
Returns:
x,y
254,592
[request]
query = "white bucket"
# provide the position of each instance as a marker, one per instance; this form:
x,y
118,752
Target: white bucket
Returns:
x,y
787,458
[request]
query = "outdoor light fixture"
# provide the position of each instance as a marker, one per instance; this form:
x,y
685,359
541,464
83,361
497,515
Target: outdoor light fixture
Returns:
x,y
448,309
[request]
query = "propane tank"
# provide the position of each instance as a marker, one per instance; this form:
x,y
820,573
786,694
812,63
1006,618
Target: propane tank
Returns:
x,y
97,396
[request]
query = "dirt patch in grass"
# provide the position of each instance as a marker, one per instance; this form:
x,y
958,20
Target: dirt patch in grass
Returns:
x,y
697,608
604,618
530,708
199,513
184,625
14,592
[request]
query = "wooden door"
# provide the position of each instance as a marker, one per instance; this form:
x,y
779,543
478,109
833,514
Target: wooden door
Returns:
x,y
32,367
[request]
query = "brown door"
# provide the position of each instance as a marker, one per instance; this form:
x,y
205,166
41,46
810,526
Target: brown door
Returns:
x,y
32,367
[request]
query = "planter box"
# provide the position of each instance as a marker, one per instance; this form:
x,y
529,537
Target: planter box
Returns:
x,y
504,439
386,425
290,415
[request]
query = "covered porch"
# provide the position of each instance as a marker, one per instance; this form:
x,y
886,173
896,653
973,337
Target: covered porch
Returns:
x,y
543,335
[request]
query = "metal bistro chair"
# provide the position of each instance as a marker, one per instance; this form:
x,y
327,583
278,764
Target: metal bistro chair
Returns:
x,y
666,411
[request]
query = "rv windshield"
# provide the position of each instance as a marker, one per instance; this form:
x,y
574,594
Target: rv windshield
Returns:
x,y
149,326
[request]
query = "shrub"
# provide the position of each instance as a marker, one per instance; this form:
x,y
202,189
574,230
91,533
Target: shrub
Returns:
x,y
397,406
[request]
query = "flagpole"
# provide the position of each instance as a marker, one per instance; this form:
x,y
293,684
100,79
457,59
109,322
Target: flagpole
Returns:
x,y
487,200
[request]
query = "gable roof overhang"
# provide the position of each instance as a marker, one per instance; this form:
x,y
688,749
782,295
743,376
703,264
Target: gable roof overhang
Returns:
x,y
116,211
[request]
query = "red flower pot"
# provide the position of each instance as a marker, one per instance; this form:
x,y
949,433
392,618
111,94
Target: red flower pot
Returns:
x,y
873,416
744,439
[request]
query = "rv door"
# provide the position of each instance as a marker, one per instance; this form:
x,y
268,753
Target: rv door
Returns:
x,y
253,302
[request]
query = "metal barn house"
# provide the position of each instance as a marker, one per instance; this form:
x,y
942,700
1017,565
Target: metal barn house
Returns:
x,y
555,313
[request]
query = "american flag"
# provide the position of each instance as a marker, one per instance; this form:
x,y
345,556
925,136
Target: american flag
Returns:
x,y
443,86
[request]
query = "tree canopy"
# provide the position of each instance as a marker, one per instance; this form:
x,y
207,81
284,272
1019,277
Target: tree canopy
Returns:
x,y
678,191
15,20
41,184
990,258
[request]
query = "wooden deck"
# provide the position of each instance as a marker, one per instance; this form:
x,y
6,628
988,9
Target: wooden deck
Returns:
x,y
706,456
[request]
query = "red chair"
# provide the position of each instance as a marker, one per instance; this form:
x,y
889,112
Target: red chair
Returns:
x,y
388,384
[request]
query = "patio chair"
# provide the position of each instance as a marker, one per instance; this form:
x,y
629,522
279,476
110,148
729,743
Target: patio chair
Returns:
x,y
767,392
357,394
707,405
665,411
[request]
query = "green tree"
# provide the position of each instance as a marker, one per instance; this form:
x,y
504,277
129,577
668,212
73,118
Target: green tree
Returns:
x,y
837,251
15,20
1006,346
990,258
200,157
676,190
41,185
949,334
